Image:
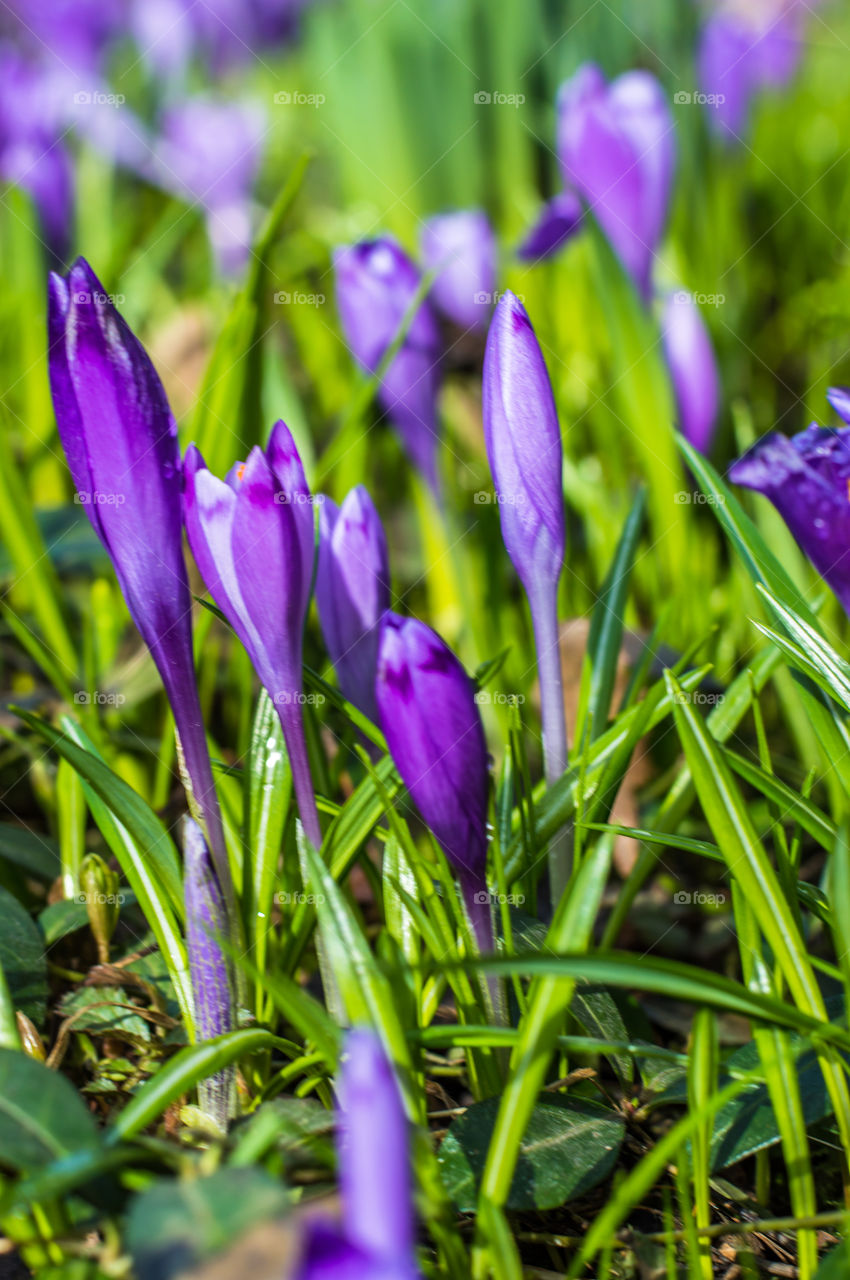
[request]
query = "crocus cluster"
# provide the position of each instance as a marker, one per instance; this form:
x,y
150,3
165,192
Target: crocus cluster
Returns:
x,y
375,1239
807,478
120,440
377,285
54,82
617,150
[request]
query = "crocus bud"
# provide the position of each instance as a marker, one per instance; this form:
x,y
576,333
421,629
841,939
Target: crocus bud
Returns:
x,y
431,721
375,1240
99,890
558,221
352,592
523,442
209,969
616,145
693,368
120,439
461,247
376,284
252,538
807,478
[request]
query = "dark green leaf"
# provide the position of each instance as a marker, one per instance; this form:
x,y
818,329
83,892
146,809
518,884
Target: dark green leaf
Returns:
x,y
41,1115
22,958
569,1146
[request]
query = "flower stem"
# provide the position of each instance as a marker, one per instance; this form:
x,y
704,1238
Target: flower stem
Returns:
x,y
292,723
476,900
544,616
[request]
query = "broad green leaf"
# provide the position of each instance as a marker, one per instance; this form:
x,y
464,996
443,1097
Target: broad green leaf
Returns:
x,y
22,958
105,1011
34,852
42,1117
570,1145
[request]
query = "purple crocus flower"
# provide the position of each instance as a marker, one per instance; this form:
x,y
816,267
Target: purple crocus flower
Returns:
x,y
209,970
252,538
376,284
431,721
693,368
462,248
741,52
353,592
558,221
806,478
33,108
209,153
375,1240
523,440
616,144
120,439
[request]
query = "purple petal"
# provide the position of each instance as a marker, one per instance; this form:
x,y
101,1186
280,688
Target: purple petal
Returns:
x,y
121,441
431,721
693,368
352,593
558,221
807,479
462,247
268,564
376,1194
523,441
285,462
617,148
839,398
642,110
